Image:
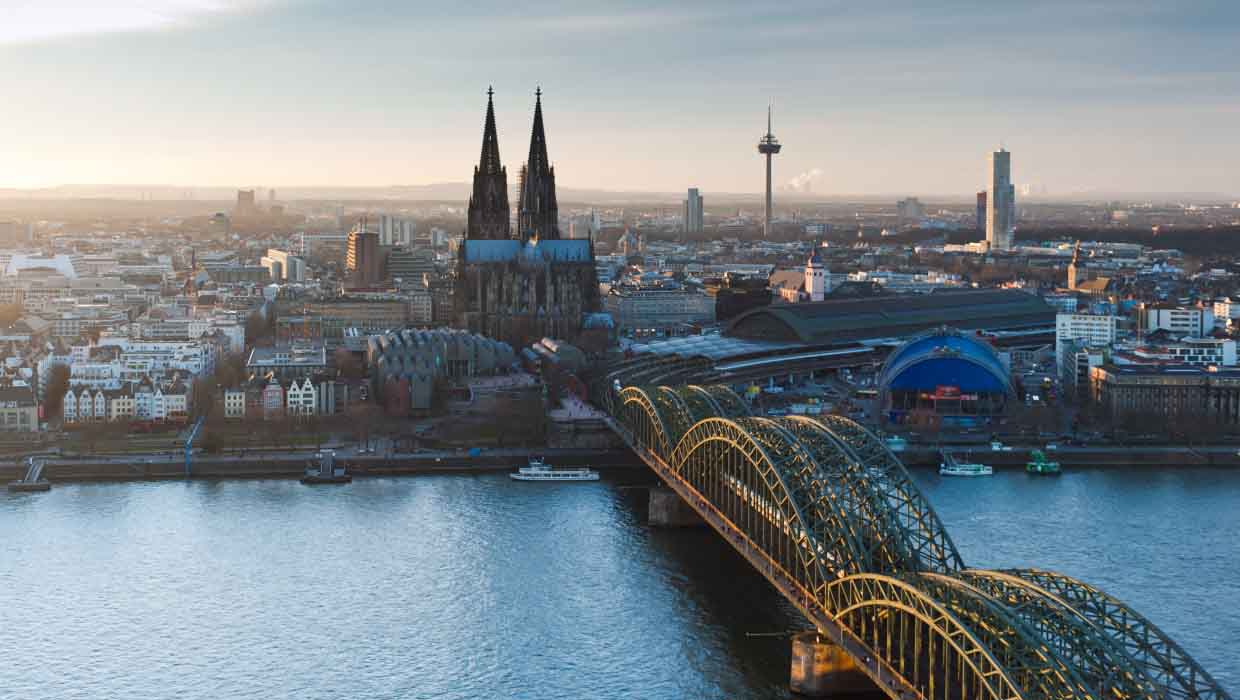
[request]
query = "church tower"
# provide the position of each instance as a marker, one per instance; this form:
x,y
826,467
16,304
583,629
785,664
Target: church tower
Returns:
x,y
816,278
488,204
537,213
1073,270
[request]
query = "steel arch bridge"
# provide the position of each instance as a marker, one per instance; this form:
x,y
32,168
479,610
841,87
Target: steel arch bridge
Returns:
x,y
832,518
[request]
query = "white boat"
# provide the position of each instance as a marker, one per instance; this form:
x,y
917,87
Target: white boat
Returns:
x,y
950,467
538,470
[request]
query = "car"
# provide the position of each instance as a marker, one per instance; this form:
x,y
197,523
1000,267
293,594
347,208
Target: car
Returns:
x,y
1052,446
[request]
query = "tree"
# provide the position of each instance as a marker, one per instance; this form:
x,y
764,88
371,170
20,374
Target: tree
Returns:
x,y
204,394
212,442
230,371
257,327
57,387
347,364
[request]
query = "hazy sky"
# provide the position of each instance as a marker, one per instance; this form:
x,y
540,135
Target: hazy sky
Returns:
x,y
882,97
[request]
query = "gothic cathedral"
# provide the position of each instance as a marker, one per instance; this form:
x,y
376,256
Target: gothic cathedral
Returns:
x,y
524,285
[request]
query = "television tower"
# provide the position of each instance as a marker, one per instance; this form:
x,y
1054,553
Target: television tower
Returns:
x,y
768,147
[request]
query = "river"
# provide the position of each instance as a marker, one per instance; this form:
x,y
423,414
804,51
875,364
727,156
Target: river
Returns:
x,y
460,586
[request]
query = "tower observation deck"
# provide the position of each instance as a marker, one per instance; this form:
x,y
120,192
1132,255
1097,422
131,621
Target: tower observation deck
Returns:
x,y
768,146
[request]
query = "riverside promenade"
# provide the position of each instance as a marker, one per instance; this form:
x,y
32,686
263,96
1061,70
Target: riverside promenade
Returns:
x,y
252,464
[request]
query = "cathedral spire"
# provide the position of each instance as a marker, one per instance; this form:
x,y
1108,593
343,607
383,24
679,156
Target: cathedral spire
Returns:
x,y
489,163
537,162
488,203
537,212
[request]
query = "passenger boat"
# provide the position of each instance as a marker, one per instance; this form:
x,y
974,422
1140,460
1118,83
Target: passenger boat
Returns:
x,y
1039,464
951,467
538,470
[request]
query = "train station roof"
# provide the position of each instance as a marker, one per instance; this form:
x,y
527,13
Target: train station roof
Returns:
x,y
851,320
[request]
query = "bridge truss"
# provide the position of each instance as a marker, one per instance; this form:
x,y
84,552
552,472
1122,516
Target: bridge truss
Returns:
x,y
834,521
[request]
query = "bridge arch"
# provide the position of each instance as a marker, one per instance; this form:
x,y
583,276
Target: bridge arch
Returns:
x,y
912,514
1105,666
909,630
739,467
824,510
1162,659
642,417
865,510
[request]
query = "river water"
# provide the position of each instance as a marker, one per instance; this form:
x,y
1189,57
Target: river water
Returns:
x,y
480,587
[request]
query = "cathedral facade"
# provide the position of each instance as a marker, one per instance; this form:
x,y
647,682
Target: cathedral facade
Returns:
x,y
525,284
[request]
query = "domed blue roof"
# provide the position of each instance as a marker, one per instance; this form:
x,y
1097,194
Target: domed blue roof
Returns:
x,y
946,358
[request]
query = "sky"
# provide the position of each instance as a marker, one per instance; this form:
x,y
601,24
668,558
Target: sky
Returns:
x,y
896,97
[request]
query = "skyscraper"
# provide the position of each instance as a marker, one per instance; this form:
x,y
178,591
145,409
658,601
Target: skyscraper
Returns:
x,y
245,203
396,230
362,260
1001,202
768,147
981,211
693,211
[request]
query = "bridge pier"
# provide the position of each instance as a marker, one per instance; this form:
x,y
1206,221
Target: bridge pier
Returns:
x,y
821,669
667,509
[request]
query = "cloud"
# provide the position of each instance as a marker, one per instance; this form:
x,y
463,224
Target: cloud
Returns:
x,y
29,21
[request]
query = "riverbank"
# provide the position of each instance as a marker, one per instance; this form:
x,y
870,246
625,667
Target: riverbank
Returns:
x,y
290,466
283,465
1081,457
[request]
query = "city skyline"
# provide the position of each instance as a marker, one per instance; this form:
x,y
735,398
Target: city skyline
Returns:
x,y
289,93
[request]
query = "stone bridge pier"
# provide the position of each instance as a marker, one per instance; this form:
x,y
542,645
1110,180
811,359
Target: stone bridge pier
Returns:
x,y
821,669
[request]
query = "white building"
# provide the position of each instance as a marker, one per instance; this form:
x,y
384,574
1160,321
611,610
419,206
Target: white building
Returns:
x,y
1195,321
301,398
396,230
1203,352
1226,310
284,266
1000,202
1076,334
817,278
234,403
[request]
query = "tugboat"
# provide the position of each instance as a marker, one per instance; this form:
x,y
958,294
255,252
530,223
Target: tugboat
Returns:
x,y
326,471
1039,464
951,467
538,470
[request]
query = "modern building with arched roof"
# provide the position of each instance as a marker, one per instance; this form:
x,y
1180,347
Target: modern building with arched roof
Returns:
x,y
951,377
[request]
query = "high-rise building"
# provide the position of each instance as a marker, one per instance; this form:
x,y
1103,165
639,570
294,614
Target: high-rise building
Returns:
x,y
396,231
981,211
693,211
245,203
910,210
284,266
768,147
219,226
362,259
1001,197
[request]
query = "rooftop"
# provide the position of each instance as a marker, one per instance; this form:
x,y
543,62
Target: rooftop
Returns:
x,y
842,320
